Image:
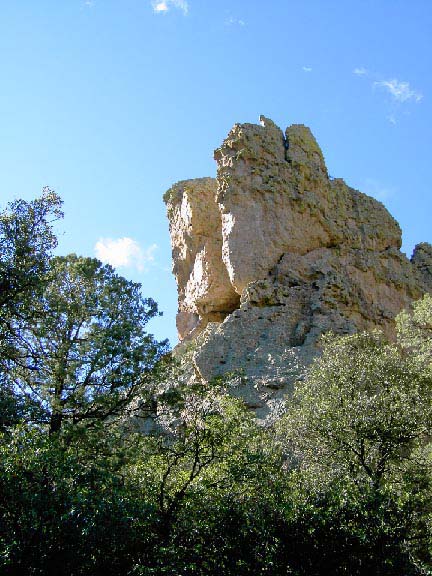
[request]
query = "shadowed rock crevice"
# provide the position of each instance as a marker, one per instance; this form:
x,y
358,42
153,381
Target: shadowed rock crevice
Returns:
x,y
273,253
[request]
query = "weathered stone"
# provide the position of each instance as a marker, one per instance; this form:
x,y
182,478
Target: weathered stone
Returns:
x,y
275,197
422,260
205,292
275,253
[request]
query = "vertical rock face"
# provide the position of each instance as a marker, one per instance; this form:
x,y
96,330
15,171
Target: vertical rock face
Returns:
x,y
205,292
273,253
422,260
275,197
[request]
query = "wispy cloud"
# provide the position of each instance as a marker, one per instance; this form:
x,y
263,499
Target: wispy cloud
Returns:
x,y
232,21
124,253
375,188
306,68
163,6
360,71
400,91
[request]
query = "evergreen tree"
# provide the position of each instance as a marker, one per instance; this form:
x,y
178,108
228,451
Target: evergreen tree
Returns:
x,y
85,353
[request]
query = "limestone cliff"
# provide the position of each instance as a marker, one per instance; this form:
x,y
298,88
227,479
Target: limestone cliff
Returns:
x,y
273,253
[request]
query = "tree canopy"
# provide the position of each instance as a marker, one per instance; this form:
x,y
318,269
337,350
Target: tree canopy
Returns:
x,y
27,240
85,353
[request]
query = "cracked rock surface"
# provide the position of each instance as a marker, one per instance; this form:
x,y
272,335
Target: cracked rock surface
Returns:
x,y
273,253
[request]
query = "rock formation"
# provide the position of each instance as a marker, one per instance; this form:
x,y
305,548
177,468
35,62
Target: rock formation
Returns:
x,y
273,253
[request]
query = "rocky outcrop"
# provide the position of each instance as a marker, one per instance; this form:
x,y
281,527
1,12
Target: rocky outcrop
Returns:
x,y
274,253
204,289
422,260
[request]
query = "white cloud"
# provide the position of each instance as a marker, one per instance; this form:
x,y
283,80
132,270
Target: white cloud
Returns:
x,y
163,6
374,188
231,21
360,71
307,69
400,91
160,7
124,253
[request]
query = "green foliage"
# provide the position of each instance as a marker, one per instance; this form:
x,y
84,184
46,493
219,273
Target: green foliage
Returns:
x,y
358,435
415,332
26,243
85,353
205,442
341,486
188,500
361,411
66,510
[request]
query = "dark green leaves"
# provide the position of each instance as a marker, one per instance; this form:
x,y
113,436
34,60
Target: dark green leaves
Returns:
x,y
85,353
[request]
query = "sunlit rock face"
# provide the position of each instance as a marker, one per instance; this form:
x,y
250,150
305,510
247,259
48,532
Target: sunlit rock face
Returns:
x,y
273,253
204,289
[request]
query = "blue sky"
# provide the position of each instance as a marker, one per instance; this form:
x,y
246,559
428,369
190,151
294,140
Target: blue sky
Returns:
x,y
109,102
